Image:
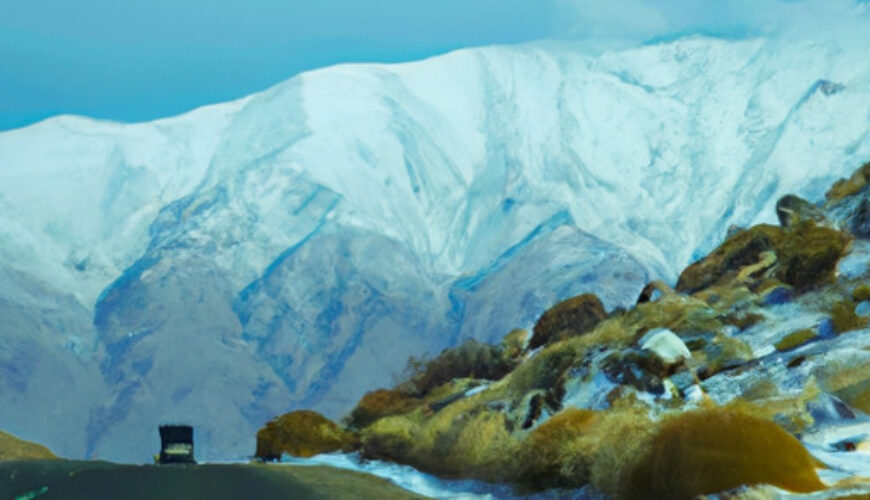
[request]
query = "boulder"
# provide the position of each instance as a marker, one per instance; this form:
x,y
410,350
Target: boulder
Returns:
x,y
653,292
568,318
805,256
741,249
678,313
849,203
666,345
808,255
303,434
643,370
793,210
859,220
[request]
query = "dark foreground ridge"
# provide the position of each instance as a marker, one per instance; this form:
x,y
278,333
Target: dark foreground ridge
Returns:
x,y
73,480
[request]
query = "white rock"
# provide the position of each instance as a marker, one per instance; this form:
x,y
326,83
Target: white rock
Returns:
x,y
666,345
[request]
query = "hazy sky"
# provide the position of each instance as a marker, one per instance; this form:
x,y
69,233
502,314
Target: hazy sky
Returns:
x,y
136,60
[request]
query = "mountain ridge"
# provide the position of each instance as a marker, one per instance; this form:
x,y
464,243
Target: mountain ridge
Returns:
x,y
408,185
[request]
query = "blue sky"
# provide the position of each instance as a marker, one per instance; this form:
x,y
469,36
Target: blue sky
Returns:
x,y
143,59
137,60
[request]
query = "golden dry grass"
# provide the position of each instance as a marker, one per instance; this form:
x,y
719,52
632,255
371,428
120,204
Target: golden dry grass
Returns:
x,y
12,448
712,450
795,339
302,434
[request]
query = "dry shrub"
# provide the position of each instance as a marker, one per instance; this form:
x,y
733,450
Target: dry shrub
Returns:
x,y
808,255
546,369
614,445
392,438
727,298
577,447
613,332
742,320
547,449
849,380
724,353
514,344
483,447
302,434
458,442
378,404
469,360
844,318
795,339
680,314
621,451
861,293
857,396
712,450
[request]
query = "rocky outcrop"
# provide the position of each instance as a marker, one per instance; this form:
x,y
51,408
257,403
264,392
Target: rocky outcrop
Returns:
x,y
793,210
808,255
653,291
571,317
849,203
742,249
722,383
844,188
803,255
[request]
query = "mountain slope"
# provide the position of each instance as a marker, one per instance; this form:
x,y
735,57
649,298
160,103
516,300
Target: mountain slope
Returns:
x,y
296,246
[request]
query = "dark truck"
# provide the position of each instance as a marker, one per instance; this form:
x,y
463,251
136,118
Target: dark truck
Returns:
x,y
176,445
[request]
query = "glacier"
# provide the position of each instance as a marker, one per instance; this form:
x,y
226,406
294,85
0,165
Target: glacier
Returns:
x,y
295,247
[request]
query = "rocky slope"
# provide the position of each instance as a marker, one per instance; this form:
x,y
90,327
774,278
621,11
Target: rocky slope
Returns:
x,y
294,248
751,379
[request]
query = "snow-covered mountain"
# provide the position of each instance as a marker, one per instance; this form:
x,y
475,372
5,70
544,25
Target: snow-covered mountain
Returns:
x,y
293,248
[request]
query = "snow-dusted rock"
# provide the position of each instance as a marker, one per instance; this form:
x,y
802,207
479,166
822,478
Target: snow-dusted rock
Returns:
x,y
666,345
